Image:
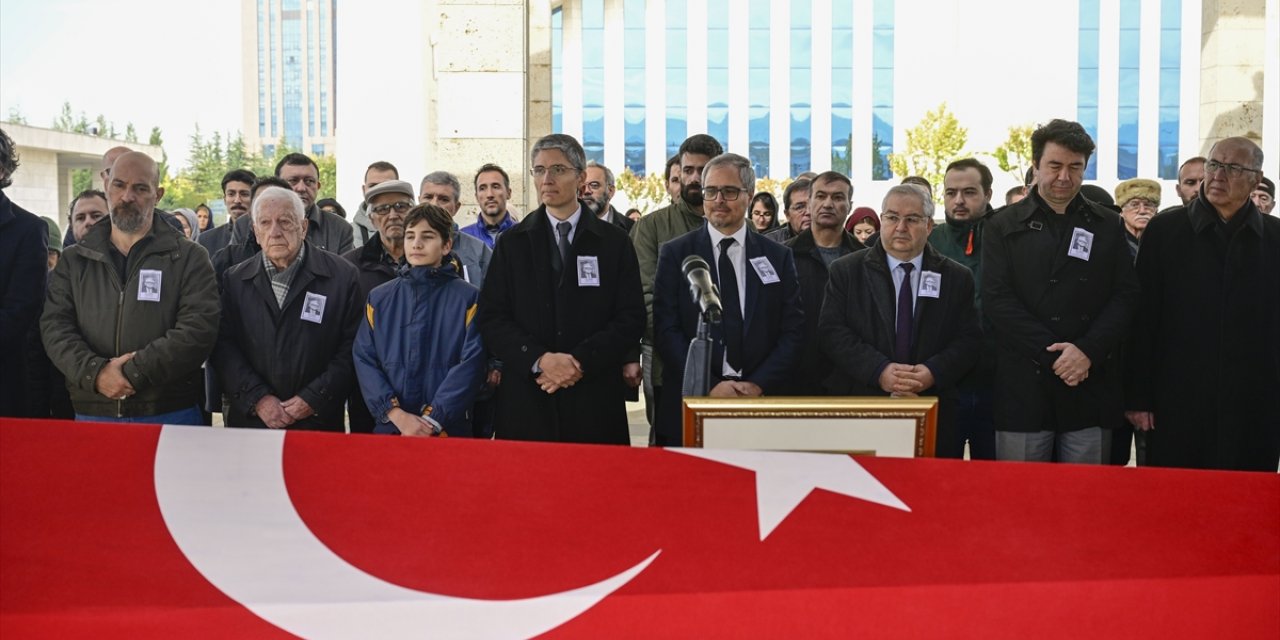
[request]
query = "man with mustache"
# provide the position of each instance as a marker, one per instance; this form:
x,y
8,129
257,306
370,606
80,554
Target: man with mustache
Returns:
x,y
131,354
795,205
966,416
374,175
683,215
236,187
598,193
378,262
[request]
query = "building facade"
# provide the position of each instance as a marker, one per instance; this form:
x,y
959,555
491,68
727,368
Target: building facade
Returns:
x,y
288,69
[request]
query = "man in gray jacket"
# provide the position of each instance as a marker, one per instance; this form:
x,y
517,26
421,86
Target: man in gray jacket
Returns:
x,y
443,190
132,310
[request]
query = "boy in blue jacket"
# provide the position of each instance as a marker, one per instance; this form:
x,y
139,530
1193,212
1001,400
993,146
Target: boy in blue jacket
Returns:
x,y
418,354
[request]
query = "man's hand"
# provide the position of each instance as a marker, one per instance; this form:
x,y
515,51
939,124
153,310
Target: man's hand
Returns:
x,y
893,379
297,408
494,379
724,389
919,376
547,385
1072,365
409,424
560,368
632,374
1141,420
747,389
272,413
111,381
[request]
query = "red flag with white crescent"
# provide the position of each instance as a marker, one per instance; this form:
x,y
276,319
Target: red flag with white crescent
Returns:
x,y
130,531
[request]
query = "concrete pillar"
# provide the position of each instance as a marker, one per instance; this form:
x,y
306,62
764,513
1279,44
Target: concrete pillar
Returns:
x,y
1233,45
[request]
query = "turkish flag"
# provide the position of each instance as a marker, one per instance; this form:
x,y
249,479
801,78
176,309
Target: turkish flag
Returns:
x,y
128,531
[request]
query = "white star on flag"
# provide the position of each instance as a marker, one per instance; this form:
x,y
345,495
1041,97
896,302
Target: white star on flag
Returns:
x,y
784,479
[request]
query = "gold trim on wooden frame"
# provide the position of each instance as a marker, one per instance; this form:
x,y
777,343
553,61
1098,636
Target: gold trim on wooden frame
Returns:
x,y
923,411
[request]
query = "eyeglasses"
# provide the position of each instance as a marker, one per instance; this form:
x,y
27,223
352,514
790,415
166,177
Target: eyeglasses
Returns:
x,y
310,182
1233,170
730,193
400,207
892,220
556,170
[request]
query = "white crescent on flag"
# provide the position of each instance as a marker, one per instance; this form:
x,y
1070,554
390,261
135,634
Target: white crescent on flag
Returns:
x,y
223,497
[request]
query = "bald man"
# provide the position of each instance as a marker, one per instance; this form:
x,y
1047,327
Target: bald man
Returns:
x,y
1205,362
132,310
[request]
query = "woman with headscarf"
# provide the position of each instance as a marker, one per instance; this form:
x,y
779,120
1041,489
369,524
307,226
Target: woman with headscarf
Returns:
x,y
204,216
862,223
190,224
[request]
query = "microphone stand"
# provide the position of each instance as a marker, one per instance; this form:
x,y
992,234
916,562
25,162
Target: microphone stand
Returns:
x,y
697,364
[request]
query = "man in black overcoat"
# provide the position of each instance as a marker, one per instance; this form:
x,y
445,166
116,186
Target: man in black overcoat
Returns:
x,y
1204,366
1059,288
562,308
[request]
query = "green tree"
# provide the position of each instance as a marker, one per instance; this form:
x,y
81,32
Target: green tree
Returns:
x,y
931,146
67,120
130,133
1014,154
879,161
15,116
646,194
81,179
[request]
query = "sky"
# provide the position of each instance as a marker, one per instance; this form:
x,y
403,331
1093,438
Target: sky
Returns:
x,y
150,62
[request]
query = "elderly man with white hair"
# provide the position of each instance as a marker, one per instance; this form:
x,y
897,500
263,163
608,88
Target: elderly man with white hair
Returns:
x,y
289,321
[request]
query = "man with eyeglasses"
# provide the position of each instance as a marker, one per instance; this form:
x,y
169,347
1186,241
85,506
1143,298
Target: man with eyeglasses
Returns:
x,y
443,190
1059,289
899,318
289,321
1138,199
795,206
1204,362
682,216
326,231
815,249
758,340
562,309
598,193
387,203
1264,196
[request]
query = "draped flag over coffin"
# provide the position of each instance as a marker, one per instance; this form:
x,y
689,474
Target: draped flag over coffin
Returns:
x,y
101,536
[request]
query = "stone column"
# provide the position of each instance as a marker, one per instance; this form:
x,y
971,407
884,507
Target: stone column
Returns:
x,y
1232,49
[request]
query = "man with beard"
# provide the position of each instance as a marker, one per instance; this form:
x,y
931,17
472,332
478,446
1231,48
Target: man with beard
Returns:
x,y
795,206
672,175
129,354
598,193
1190,175
1204,360
378,261
493,190
682,216
967,414
757,342
88,207
236,187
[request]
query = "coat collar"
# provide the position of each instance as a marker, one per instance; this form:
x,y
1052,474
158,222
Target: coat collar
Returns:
x,y
1203,215
805,244
1024,208
96,243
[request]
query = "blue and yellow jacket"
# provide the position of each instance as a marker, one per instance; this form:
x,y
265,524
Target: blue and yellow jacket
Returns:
x,y
419,350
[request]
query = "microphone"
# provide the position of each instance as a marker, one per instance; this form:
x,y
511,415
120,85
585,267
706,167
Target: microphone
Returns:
x,y
704,291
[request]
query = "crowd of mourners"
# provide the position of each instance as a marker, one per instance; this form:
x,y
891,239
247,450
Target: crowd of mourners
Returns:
x,y
1068,324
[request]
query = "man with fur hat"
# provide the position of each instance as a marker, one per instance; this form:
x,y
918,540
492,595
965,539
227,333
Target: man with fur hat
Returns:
x,y
1139,200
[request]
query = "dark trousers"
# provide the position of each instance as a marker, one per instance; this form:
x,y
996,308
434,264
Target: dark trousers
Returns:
x,y
967,417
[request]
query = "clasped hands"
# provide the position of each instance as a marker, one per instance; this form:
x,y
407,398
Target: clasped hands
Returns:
x,y
1072,364
905,380
111,381
559,371
278,415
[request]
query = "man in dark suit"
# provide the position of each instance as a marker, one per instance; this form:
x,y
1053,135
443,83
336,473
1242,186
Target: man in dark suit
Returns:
x,y
899,318
562,308
598,191
759,339
1059,288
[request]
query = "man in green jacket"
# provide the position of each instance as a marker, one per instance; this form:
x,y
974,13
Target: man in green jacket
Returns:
x,y
132,310
967,415
680,217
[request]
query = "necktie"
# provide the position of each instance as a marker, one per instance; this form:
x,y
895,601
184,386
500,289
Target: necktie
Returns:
x,y
731,320
563,229
902,338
